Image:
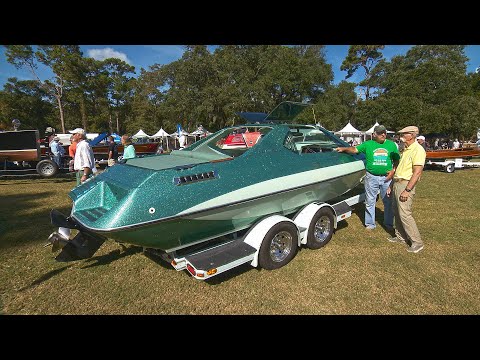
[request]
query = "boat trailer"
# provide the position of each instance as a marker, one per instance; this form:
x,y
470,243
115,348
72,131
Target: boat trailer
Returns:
x,y
449,165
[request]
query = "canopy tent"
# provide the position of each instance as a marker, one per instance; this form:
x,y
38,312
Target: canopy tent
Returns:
x,y
140,134
200,132
370,131
175,134
161,134
182,140
350,133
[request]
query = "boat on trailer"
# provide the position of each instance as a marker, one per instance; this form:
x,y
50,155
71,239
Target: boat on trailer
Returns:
x,y
171,202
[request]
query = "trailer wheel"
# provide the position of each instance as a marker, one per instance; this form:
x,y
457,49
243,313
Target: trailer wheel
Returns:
x,y
321,228
47,168
450,168
279,246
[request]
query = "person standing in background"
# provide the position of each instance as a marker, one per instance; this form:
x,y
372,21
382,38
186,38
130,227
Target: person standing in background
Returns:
x,y
84,162
57,150
112,151
128,148
421,141
71,152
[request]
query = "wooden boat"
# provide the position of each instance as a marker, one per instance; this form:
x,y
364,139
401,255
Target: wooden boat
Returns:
x,y
100,152
22,145
453,153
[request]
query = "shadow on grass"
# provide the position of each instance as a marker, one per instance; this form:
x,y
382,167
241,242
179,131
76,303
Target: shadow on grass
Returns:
x,y
359,209
230,274
112,256
45,277
13,229
159,261
32,180
218,279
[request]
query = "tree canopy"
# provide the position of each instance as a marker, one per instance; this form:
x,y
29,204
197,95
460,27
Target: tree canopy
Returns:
x,y
427,87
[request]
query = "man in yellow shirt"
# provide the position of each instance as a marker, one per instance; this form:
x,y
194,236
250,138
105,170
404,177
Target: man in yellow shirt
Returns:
x,y
402,191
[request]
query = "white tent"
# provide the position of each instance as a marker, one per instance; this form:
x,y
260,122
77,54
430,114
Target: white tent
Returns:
x,y
200,132
160,133
140,134
370,131
175,134
350,133
182,140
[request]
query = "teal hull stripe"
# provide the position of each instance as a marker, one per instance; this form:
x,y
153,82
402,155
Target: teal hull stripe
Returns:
x,y
206,210
278,185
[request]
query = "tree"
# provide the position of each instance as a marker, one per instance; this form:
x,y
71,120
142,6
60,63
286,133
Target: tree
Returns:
x,y
26,101
366,57
119,87
62,60
427,87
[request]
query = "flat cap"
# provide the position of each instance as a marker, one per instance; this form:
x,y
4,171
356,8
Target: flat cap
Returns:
x,y
409,129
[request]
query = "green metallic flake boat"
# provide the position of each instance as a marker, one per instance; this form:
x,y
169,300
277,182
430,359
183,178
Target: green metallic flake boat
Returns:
x,y
190,196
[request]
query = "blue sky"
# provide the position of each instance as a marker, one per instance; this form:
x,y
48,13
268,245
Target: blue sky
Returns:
x,y
143,56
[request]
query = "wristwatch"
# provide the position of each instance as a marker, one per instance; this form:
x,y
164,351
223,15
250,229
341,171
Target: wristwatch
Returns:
x,y
408,190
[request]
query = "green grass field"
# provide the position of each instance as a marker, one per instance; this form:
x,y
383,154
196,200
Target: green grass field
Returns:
x,y
358,272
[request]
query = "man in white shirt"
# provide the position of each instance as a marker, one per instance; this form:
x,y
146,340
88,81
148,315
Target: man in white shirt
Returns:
x,y
84,162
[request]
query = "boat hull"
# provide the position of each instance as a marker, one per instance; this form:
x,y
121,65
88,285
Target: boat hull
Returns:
x,y
453,153
186,230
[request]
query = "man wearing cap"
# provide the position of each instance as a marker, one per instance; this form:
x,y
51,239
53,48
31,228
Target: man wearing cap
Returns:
x,y
381,160
402,191
57,150
84,162
421,141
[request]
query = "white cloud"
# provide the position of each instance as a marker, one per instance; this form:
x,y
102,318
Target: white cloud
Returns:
x,y
107,53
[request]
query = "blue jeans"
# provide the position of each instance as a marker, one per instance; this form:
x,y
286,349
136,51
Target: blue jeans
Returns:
x,y
373,184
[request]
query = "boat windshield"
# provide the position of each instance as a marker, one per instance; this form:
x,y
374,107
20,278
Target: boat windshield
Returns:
x,y
303,139
229,142
286,111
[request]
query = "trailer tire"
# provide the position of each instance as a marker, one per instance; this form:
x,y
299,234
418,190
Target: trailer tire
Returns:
x,y
450,168
321,228
47,168
279,246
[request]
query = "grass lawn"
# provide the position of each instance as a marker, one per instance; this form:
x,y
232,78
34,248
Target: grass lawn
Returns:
x,y
358,272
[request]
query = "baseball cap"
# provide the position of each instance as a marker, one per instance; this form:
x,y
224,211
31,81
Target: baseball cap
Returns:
x,y
421,137
409,129
380,129
78,131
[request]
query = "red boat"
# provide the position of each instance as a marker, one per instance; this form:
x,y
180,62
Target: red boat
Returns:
x,y
100,152
240,141
453,153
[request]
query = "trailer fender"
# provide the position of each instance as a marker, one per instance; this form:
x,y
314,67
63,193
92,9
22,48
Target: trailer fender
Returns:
x,y
304,217
257,233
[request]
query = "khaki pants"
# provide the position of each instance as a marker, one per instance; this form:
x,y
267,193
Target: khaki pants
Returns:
x,y
405,225
79,175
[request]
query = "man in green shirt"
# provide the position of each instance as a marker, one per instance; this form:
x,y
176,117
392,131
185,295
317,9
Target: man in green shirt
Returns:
x,y
382,158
